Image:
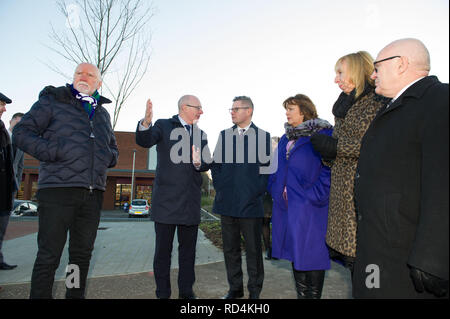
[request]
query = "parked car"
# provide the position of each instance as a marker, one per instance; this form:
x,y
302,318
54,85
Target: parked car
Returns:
x,y
24,208
139,207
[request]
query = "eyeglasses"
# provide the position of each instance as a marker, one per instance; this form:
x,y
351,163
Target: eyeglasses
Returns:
x,y
235,109
199,108
390,58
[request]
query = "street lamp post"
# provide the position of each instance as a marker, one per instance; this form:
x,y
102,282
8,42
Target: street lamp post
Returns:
x,y
132,176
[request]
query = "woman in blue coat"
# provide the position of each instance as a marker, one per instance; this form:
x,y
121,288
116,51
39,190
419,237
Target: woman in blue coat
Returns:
x,y
300,190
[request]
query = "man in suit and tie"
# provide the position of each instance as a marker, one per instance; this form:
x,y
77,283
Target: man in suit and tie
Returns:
x,y
401,183
176,191
240,157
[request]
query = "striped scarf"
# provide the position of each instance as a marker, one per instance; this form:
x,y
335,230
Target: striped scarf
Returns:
x,y
306,128
89,102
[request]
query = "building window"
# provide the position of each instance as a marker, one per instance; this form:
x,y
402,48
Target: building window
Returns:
x,y
34,189
20,192
123,194
144,192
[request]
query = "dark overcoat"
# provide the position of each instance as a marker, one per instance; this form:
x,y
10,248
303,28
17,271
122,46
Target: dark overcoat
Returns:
x,y
237,172
176,191
401,192
7,180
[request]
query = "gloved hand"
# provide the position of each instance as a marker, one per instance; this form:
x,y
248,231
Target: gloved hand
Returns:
x,y
427,282
325,145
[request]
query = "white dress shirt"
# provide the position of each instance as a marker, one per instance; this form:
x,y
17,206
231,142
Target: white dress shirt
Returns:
x,y
403,90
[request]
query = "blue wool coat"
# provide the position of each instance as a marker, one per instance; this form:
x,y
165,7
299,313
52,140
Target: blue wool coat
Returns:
x,y
299,227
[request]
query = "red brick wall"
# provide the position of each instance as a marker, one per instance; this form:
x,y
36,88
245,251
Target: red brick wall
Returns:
x,y
126,142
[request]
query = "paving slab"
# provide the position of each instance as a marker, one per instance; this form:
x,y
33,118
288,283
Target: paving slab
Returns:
x,y
122,267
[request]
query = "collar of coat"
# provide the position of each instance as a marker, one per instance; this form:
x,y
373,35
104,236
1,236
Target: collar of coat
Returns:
x,y
63,94
252,125
174,119
417,90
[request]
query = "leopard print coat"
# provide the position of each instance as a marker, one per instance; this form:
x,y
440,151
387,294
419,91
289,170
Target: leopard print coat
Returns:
x,y
341,231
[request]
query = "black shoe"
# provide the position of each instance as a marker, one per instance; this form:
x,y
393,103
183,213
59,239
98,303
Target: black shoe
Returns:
x,y
5,266
233,295
269,254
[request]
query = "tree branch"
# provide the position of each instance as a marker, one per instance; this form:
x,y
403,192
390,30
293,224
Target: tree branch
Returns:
x,y
109,33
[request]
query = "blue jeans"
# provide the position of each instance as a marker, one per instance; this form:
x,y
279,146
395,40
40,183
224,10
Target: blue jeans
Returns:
x,y
65,210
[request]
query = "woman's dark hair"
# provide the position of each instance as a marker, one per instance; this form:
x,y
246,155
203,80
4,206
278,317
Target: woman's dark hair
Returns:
x,y
307,107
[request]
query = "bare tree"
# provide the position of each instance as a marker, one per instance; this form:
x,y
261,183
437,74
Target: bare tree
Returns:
x,y
111,34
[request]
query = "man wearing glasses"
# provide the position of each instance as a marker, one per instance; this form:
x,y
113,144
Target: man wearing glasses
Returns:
x,y
176,192
401,183
240,189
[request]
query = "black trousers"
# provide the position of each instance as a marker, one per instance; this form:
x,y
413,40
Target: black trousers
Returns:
x,y
250,228
187,242
65,210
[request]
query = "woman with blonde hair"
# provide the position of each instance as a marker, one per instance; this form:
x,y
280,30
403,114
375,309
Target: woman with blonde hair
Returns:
x,y
354,110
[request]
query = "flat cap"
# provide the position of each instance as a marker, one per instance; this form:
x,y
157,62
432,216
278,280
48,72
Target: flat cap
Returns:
x,y
4,98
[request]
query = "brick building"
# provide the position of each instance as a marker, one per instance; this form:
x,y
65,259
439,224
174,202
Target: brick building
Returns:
x,y
118,184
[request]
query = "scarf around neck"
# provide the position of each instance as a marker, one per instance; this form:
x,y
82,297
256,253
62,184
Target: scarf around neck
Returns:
x,y
89,102
306,128
346,101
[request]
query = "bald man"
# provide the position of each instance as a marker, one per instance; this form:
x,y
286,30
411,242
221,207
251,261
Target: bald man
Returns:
x,y
69,131
176,191
401,184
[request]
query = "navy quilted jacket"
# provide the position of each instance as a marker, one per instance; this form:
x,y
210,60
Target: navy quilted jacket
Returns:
x,y
73,150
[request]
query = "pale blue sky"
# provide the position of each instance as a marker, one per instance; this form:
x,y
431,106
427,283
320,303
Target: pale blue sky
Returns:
x,y
266,49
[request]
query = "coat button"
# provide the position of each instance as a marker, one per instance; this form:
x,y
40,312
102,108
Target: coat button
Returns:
x,y
357,175
359,217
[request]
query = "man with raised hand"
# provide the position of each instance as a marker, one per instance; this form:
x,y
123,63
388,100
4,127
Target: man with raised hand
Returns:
x,y
176,192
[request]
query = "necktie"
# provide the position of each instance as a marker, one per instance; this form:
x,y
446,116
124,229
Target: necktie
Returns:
x,y
188,128
241,131
389,103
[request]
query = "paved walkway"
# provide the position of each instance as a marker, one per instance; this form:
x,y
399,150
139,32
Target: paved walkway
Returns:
x,y
122,265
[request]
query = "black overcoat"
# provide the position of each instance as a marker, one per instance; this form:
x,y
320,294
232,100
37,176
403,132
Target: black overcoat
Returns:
x,y
176,191
239,179
7,180
401,193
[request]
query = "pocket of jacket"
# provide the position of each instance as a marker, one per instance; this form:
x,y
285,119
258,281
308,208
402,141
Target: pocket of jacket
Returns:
x,y
61,149
52,150
113,160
